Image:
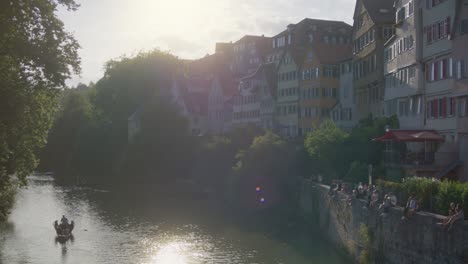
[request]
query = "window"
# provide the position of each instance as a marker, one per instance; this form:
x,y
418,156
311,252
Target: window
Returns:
x,y
464,25
452,106
412,72
438,30
400,15
463,106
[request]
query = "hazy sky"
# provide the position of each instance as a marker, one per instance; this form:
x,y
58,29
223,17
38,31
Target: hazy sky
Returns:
x,y
107,29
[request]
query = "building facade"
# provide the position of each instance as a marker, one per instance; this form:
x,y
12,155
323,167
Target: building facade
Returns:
x,y
404,74
373,26
460,60
248,54
320,76
255,102
344,112
287,94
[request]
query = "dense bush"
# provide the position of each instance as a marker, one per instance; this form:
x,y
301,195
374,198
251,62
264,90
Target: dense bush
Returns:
x,y
433,196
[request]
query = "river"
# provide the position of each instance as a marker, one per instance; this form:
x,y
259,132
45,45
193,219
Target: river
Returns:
x,y
112,227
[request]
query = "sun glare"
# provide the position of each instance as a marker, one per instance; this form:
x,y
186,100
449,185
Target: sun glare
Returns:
x,y
178,16
172,253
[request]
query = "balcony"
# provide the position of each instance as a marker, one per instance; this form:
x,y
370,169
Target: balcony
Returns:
x,y
418,160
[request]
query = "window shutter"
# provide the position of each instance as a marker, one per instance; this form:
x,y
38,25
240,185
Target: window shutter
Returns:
x,y
450,66
436,70
459,68
428,34
428,72
443,111
428,109
435,31
453,106
435,107
444,69
447,26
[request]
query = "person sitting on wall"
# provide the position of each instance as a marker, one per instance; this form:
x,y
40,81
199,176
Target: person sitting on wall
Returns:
x,y
458,216
411,206
393,199
331,191
385,204
374,198
365,190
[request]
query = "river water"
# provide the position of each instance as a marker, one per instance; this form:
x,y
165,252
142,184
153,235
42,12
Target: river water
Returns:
x,y
112,227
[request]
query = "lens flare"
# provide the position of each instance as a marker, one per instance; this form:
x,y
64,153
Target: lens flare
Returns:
x,y
262,200
258,189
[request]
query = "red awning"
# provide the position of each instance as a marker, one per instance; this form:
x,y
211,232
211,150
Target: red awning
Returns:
x,y
410,136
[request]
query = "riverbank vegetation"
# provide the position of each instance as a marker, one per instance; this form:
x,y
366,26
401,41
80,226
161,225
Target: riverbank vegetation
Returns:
x,y
36,57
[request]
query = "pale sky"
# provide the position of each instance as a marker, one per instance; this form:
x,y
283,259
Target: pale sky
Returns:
x,y
107,29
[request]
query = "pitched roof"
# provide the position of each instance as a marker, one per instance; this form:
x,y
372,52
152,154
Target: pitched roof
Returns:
x,y
252,38
380,11
307,22
411,136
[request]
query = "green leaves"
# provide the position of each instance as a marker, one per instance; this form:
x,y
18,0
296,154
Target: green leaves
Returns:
x,y
36,57
34,40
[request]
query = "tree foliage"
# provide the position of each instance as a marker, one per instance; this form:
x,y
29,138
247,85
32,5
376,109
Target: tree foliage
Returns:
x,y
338,154
324,146
96,124
36,57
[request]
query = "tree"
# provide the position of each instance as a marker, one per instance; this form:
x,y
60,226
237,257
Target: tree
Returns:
x,y
324,146
36,57
95,120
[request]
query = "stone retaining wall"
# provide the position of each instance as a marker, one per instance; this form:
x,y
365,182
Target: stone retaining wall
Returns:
x,y
393,241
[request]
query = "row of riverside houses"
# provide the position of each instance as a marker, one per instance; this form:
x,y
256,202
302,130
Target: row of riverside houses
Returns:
x,y
407,58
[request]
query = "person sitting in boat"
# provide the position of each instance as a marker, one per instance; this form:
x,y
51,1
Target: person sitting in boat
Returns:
x,y
64,220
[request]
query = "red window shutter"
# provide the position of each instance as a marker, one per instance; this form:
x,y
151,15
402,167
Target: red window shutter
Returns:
x,y
436,70
435,31
435,107
447,26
